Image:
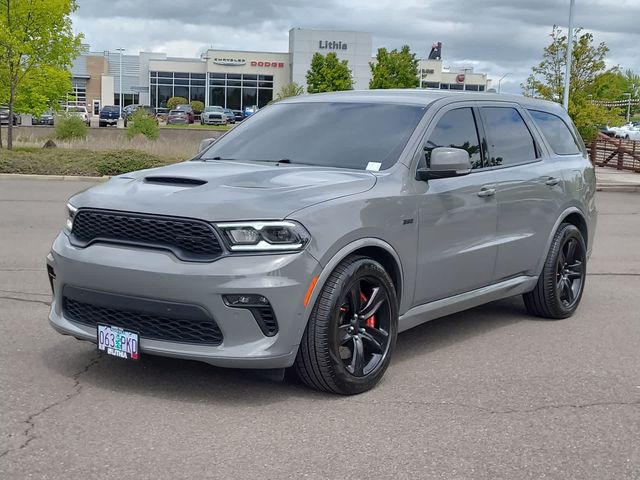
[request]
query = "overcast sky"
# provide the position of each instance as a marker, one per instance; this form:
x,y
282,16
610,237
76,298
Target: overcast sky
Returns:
x,y
493,36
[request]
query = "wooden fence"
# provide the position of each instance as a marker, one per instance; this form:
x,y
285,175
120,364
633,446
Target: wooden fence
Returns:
x,y
616,153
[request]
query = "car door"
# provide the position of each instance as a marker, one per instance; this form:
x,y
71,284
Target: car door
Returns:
x,y
457,215
529,188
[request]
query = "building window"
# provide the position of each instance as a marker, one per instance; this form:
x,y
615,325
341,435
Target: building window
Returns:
x,y
164,85
78,95
127,99
237,91
431,85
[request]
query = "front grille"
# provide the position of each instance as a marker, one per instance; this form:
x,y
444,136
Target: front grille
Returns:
x,y
188,239
152,319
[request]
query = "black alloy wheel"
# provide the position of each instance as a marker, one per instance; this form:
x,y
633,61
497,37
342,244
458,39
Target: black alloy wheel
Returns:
x,y
561,283
352,330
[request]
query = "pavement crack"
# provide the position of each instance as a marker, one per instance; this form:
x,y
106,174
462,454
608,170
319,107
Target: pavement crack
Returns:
x,y
30,421
17,299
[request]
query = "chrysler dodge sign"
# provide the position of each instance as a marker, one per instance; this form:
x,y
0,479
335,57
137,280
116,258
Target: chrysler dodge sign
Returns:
x,y
232,62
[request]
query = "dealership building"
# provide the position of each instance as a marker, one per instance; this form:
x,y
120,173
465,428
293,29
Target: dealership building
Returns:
x,y
238,79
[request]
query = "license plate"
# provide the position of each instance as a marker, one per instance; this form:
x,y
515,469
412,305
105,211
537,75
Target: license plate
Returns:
x,y
118,342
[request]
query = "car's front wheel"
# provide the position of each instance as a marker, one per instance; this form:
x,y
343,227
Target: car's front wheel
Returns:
x,y
561,283
351,334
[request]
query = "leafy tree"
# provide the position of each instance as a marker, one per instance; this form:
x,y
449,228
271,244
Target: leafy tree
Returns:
x,y
34,35
42,89
142,123
70,127
589,76
173,102
289,90
394,69
197,106
328,74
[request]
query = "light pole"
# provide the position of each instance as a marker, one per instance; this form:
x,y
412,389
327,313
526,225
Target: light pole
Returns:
x,y
628,95
502,78
120,103
567,74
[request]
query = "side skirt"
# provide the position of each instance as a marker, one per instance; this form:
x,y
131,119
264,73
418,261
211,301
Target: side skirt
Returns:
x,y
457,303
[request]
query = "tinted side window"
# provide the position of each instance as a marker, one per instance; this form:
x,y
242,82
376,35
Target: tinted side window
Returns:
x,y
456,128
509,139
556,132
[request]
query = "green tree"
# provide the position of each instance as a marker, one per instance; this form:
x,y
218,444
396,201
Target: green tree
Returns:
x,y
588,76
289,90
42,89
142,123
394,69
34,35
328,74
197,105
173,102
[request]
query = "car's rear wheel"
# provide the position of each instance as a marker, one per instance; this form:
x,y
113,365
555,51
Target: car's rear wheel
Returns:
x,y
351,334
561,283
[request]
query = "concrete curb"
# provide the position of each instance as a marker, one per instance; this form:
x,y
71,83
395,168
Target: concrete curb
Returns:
x,y
618,187
78,178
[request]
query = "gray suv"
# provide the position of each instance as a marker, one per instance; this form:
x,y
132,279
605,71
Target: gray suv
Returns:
x,y
324,225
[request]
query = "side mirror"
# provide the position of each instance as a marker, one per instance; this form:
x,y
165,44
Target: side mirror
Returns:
x,y
446,162
206,143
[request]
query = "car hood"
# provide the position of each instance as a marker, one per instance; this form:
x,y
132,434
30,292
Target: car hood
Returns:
x,y
225,190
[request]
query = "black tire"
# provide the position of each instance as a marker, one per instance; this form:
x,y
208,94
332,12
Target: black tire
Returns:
x,y
561,283
102,124
333,332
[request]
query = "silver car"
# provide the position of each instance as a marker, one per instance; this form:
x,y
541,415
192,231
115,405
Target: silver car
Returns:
x,y
324,225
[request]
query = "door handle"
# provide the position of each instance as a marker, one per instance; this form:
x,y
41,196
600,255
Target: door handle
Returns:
x,y
552,181
487,192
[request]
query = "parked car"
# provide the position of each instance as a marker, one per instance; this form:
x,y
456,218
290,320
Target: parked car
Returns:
x,y
148,109
248,111
4,116
231,117
310,235
178,117
188,109
161,114
78,111
109,115
239,115
47,118
213,115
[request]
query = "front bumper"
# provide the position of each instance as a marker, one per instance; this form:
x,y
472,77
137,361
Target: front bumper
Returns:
x,y
213,121
155,274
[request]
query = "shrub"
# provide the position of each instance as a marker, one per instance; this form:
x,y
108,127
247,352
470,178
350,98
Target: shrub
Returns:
x,y
173,102
141,123
123,161
197,105
70,127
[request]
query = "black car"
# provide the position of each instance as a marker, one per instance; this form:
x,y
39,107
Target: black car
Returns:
x,y
109,115
4,116
45,119
239,114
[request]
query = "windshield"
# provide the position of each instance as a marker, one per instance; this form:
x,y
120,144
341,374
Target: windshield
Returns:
x,y
364,136
213,109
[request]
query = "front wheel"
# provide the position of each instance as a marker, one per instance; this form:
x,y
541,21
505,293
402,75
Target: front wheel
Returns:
x,y
351,334
561,283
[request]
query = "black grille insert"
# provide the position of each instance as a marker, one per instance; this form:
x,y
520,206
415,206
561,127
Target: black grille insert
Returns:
x,y
188,239
266,320
152,319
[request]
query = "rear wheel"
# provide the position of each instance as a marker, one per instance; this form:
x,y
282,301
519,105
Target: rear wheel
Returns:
x,y
560,286
351,334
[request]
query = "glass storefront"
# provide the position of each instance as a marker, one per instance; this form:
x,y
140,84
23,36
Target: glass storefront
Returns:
x,y
229,90
164,85
237,91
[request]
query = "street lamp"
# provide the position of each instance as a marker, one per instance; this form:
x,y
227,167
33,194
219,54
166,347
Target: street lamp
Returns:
x,y
120,88
628,95
567,74
502,78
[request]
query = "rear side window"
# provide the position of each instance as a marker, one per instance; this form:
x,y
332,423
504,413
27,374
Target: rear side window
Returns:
x,y
457,129
510,141
556,132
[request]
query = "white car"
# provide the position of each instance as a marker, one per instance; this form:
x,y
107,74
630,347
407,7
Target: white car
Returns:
x,y
77,111
213,115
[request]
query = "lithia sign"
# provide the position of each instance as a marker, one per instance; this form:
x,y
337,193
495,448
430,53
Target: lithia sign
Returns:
x,y
332,45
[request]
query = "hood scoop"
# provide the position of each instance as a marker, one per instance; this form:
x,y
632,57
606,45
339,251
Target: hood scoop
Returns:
x,y
179,181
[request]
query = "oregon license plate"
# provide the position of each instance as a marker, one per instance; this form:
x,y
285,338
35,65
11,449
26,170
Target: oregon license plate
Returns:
x,y
118,342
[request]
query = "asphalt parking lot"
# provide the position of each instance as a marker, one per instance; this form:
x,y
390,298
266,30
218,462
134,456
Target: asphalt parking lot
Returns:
x,y
485,394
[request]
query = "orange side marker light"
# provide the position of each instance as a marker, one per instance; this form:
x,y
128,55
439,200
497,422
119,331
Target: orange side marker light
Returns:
x,y
312,285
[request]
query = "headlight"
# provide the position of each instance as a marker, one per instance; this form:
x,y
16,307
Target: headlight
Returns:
x,y
264,236
71,213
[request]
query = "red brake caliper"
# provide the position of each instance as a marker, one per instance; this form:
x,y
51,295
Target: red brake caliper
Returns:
x,y
371,321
